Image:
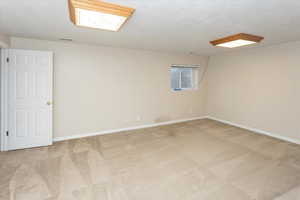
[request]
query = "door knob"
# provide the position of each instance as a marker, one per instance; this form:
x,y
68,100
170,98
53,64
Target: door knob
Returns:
x,y
49,103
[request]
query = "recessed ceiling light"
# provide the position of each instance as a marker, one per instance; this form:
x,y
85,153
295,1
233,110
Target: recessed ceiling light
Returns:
x,y
98,14
237,40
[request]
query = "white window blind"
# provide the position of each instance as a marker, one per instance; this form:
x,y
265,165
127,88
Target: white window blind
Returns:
x,y
183,78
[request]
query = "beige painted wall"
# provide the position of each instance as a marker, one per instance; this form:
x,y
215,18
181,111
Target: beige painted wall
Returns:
x,y
258,88
4,41
102,88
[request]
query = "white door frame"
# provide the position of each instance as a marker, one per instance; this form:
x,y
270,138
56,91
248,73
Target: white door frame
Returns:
x,y
4,98
4,95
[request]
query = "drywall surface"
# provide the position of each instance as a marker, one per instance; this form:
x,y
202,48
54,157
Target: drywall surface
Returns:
x,y
257,88
4,41
102,88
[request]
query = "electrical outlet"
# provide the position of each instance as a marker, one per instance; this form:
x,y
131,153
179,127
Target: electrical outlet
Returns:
x,y
138,118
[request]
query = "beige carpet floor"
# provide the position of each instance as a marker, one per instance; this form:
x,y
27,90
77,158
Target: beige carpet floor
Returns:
x,y
196,160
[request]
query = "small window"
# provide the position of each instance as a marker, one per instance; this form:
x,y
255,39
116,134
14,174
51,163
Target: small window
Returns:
x,y
183,78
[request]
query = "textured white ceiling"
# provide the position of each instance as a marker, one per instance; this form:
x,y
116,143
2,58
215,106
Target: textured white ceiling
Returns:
x,y
163,25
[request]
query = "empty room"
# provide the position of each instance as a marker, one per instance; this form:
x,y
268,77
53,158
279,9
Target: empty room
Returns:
x,y
150,100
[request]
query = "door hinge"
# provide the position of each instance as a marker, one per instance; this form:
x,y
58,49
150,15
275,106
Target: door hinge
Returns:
x,y
7,133
7,60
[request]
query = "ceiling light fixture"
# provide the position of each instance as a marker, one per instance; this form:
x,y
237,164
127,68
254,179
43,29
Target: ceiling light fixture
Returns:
x,y
237,40
98,14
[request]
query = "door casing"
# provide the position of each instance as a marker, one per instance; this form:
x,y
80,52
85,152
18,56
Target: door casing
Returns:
x,y
4,102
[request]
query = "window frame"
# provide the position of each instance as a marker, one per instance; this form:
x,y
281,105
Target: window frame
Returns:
x,y
194,77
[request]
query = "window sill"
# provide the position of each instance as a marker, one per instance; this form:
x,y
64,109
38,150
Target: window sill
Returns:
x,y
184,89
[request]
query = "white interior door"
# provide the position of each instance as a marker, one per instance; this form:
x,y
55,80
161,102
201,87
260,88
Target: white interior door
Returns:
x,y
29,99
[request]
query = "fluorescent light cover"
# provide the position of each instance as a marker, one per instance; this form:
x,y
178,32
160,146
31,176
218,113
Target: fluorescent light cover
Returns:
x,y
237,40
236,43
99,20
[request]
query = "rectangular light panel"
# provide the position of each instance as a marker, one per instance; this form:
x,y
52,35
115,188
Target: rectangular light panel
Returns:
x,y
99,20
237,40
236,43
98,14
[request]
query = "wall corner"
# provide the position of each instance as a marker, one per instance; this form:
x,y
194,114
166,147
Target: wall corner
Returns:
x,y
4,41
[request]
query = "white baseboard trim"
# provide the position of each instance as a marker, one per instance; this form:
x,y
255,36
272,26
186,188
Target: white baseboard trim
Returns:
x,y
256,130
57,139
